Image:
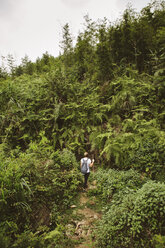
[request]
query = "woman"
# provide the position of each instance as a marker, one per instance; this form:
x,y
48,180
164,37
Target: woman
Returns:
x,y
85,165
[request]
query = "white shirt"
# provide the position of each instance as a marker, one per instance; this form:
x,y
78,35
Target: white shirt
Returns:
x,y
88,163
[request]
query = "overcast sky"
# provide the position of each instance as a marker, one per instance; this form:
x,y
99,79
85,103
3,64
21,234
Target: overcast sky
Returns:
x,y
32,27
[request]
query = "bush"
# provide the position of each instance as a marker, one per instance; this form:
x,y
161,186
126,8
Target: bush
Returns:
x,y
136,220
43,238
114,185
159,241
114,228
37,186
149,212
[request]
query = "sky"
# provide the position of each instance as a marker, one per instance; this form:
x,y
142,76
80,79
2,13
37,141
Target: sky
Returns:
x,y
33,27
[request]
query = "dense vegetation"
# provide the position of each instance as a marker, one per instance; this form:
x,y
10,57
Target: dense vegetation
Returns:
x,y
105,95
134,211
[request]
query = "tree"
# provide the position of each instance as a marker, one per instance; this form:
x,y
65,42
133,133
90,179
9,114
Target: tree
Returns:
x,y
27,65
103,53
11,64
85,56
67,46
126,38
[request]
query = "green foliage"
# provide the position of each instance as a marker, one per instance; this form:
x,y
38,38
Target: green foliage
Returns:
x,y
113,185
32,185
141,147
135,219
149,210
55,238
132,136
159,241
105,95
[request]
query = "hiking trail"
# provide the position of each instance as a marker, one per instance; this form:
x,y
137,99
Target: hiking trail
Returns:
x,y
86,214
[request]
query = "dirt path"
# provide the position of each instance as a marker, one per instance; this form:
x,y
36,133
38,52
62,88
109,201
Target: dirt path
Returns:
x,y
83,225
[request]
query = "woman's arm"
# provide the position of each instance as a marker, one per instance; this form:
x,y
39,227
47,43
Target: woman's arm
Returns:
x,y
92,163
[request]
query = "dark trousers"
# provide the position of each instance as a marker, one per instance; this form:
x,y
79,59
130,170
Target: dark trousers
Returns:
x,y
86,179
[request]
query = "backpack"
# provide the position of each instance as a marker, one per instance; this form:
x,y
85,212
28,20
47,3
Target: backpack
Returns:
x,y
84,167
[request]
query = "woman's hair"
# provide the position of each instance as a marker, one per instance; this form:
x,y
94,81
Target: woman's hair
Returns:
x,y
85,154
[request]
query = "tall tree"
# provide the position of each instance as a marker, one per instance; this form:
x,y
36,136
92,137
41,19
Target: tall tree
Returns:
x,y
67,46
85,49
11,63
103,53
126,37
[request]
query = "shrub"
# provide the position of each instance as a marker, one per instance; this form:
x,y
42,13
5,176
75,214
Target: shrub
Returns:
x,y
114,228
149,213
136,220
37,186
159,241
114,185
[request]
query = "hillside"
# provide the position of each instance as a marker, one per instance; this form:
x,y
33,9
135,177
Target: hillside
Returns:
x,y
104,95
